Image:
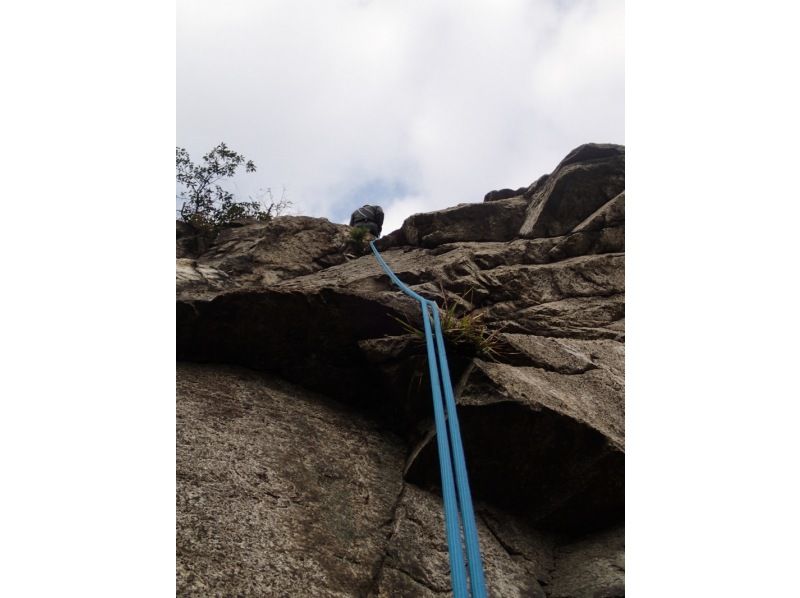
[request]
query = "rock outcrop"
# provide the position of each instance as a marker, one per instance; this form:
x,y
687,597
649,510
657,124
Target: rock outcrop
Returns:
x,y
316,468
583,182
259,254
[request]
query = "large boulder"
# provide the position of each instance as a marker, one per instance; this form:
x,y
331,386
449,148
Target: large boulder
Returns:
x,y
493,221
542,443
284,247
587,178
504,194
258,254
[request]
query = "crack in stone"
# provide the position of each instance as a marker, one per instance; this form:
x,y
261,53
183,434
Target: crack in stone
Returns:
x,y
394,521
507,547
527,360
418,581
551,570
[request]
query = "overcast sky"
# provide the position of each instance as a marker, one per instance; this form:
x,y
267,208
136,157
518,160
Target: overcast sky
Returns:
x,y
412,105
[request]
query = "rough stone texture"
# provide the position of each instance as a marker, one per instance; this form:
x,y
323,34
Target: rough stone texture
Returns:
x,y
504,194
542,418
538,444
200,280
265,253
417,564
536,185
496,221
591,568
280,492
610,214
189,243
310,337
260,254
587,178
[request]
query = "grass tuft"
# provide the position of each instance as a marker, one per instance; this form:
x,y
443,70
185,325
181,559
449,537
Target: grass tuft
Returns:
x,y
466,332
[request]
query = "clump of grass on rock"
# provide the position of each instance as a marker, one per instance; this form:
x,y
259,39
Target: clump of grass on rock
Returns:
x,y
467,333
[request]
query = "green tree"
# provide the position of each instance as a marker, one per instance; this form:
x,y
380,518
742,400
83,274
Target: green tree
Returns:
x,y
206,205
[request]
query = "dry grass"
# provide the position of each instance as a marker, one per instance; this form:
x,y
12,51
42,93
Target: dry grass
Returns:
x,y
467,331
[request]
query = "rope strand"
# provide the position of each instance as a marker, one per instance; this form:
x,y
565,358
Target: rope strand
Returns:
x,y
458,510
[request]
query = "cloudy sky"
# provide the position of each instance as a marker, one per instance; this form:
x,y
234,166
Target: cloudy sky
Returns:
x,y
412,105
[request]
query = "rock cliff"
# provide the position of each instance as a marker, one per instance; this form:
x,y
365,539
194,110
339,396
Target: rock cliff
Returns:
x,y
306,457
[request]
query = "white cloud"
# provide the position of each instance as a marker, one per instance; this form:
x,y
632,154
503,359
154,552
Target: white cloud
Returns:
x,y
440,102
399,209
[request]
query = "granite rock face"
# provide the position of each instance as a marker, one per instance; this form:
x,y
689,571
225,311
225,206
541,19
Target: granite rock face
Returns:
x,y
280,491
497,221
504,194
583,182
336,384
283,492
260,254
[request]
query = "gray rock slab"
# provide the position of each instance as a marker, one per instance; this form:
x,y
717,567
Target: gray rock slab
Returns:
x,y
280,492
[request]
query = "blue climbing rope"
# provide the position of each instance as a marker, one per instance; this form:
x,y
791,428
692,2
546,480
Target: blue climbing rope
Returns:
x,y
458,511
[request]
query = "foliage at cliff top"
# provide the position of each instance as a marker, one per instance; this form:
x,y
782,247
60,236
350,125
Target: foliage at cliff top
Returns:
x,y
206,205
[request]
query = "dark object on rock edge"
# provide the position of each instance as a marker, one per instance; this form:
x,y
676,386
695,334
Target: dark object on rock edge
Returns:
x,y
370,217
583,182
190,242
504,194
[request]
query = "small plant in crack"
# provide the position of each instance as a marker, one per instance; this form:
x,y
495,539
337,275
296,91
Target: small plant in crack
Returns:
x,y
358,239
357,233
467,332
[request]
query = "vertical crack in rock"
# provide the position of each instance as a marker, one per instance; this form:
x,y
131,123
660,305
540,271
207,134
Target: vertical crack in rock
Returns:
x,y
507,547
394,524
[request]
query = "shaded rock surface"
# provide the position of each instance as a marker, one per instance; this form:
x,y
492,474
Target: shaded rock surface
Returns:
x,y
189,241
282,492
593,567
586,179
542,416
504,194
